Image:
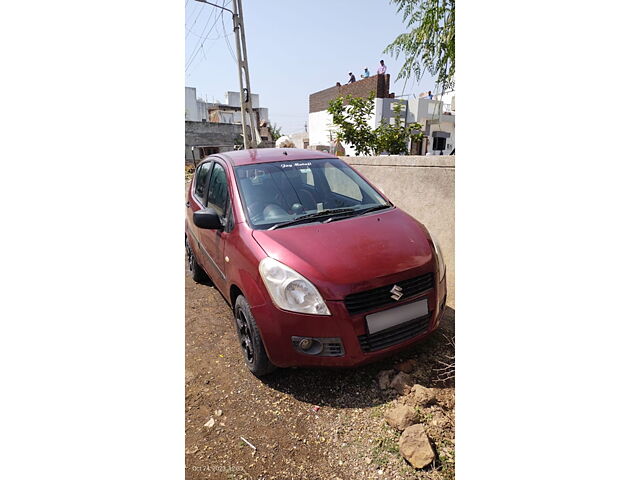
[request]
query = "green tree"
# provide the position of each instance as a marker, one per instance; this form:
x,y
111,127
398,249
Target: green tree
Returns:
x,y
351,116
275,131
429,45
394,138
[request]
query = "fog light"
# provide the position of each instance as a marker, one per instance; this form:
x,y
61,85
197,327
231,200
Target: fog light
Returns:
x,y
324,347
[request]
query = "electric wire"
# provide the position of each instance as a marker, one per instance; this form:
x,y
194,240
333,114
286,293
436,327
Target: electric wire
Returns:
x,y
226,38
193,55
199,12
203,57
201,43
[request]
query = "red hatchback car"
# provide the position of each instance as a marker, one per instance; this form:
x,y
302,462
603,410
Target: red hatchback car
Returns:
x,y
319,266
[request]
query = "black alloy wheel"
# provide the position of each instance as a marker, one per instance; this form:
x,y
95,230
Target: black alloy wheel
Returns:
x,y
253,351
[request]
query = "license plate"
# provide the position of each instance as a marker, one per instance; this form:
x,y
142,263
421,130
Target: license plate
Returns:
x,y
377,322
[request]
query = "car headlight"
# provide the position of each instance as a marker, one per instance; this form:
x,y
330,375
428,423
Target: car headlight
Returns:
x,y
441,266
289,290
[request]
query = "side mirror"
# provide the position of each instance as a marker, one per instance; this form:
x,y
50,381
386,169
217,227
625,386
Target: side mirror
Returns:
x,y
207,218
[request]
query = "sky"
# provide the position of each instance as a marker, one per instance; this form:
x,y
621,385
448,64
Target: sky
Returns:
x,y
294,48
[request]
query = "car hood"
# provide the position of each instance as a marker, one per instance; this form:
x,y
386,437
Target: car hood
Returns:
x,y
353,254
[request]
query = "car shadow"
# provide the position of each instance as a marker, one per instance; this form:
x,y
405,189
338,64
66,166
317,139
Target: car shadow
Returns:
x,y
207,281
358,387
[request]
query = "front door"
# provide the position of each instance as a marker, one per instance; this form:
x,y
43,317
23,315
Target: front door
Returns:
x,y
213,241
196,200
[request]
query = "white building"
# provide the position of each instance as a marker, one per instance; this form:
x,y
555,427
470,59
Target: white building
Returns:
x,y
300,139
197,110
436,117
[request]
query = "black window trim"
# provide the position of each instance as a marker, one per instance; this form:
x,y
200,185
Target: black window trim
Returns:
x,y
211,179
229,225
206,184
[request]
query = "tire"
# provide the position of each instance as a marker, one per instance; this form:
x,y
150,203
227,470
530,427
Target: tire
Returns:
x,y
197,272
255,356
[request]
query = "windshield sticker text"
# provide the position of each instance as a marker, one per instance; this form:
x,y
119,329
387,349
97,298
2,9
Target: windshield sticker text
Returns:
x,y
296,164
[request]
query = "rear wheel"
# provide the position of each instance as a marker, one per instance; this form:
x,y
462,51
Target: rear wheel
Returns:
x,y
253,350
197,272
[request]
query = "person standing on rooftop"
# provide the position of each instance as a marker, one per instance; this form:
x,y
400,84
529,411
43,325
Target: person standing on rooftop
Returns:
x,y
382,69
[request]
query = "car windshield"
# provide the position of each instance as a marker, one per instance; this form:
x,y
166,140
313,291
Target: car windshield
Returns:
x,y
281,193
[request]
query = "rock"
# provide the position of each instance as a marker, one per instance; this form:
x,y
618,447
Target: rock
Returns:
x,y
218,413
402,383
407,366
401,417
439,419
415,446
210,423
192,450
422,396
367,460
384,379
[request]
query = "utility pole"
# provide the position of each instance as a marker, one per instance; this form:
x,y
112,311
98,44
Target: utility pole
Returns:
x,y
246,108
250,133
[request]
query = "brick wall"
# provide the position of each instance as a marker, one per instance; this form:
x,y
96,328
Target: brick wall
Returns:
x,y
378,84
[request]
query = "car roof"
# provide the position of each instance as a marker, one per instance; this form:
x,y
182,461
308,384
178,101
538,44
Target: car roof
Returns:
x,y
264,155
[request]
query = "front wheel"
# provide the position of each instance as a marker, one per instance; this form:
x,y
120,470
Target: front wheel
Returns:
x,y
253,350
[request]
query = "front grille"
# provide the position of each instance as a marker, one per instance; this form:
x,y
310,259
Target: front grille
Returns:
x,y
378,297
333,350
394,335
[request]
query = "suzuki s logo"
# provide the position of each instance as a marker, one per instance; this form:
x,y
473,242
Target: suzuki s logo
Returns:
x,y
396,292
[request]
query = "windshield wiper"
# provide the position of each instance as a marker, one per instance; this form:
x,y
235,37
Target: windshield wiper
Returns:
x,y
373,209
353,213
312,216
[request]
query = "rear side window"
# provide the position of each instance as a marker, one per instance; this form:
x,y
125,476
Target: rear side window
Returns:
x,y
201,175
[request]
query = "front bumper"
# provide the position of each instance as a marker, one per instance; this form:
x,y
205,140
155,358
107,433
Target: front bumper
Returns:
x,y
277,327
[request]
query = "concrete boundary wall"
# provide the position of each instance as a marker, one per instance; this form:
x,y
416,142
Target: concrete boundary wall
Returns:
x,y
424,187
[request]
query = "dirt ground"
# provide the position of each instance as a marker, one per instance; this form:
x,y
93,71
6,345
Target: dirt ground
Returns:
x,y
304,423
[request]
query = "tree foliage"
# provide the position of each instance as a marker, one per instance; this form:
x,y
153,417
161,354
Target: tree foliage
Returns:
x,y
351,116
276,131
394,138
429,45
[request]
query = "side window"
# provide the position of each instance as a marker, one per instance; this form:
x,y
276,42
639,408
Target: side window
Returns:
x,y
218,198
201,180
340,183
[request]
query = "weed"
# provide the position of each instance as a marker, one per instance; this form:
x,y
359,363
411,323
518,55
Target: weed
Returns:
x,y
382,448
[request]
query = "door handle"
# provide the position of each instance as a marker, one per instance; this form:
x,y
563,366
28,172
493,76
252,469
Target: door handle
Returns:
x,y
187,204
